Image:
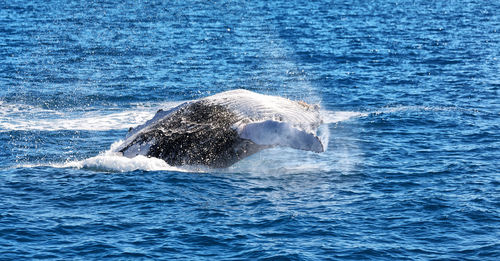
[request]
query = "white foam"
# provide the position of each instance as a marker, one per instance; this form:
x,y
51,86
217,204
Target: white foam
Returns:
x,y
26,117
396,109
90,121
338,116
110,161
116,162
13,109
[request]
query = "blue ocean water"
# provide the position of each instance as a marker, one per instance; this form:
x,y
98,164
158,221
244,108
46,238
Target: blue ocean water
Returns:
x,y
409,92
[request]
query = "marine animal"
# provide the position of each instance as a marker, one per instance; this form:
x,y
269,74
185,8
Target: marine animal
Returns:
x,y
219,130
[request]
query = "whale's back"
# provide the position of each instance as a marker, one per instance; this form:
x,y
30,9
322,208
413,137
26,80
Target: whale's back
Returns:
x,y
252,107
219,130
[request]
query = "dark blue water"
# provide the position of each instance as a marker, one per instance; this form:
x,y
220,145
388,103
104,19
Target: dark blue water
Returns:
x,y
410,96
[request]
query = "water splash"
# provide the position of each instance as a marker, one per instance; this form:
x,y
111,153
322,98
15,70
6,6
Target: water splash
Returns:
x,y
112,161
26,117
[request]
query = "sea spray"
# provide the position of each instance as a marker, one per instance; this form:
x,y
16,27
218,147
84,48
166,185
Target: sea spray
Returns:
x,y
113,161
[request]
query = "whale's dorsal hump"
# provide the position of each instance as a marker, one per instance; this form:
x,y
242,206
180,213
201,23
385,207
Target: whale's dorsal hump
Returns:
x,y
254,107
272,120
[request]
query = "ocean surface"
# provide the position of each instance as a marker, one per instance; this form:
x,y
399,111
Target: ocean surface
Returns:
x,y
409,93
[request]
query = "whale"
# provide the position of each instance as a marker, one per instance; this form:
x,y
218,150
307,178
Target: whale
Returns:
x,y
220,130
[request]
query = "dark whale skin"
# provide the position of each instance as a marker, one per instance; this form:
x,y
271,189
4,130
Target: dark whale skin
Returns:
x,y
199,133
